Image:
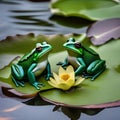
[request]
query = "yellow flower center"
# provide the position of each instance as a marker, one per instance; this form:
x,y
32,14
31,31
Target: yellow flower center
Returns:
x,y
65,77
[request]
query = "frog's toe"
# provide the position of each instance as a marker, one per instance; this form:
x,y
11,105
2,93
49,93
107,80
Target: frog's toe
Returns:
x,y
93,78
15,82
59,63
21,83
48,76
38,85
18,83
86,75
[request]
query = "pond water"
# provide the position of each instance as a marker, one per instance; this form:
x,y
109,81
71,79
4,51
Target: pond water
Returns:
x,y
22,17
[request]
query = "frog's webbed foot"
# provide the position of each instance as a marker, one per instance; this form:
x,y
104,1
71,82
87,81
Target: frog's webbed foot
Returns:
x,y
86,75
92,76
97,74
17,82
38,85
96,68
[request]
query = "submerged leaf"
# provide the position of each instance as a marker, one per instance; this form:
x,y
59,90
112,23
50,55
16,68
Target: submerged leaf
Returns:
x,y
103,31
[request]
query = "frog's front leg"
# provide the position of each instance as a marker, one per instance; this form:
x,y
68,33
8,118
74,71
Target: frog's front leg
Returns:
x,y
17,75
48,70
31,77
96,68
81,67
63,64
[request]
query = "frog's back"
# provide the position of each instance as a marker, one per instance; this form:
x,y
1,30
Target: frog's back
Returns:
x,y
26,60
90,55
26,56
91,51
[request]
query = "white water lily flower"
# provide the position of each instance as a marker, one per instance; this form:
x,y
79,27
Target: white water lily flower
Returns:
x,y
65,79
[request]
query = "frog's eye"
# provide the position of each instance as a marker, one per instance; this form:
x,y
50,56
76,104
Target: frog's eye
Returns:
x,y
71,40
78,45
44,43
67,41
39,48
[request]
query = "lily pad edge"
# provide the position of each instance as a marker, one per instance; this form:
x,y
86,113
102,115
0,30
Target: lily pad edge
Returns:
x,y
92,106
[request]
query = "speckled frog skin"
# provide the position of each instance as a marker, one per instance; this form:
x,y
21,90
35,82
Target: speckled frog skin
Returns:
x,y
85,60
31,65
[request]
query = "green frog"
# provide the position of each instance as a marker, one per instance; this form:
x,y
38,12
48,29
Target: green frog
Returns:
x,y
84,59
32,65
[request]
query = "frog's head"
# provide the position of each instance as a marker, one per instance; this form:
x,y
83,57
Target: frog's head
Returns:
x,y
73,46
42,48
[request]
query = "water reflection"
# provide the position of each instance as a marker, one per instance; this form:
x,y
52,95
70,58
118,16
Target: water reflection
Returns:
x,y
72,113
24,17
24,112
74,22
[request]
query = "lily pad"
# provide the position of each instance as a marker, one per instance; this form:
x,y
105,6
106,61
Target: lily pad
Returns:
x,y
101,93
15,46
92,10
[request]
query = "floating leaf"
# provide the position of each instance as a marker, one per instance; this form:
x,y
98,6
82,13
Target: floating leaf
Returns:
x,y
15,46
102,31
103,92
92,10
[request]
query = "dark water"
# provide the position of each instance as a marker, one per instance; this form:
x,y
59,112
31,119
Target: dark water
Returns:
x,y
22,17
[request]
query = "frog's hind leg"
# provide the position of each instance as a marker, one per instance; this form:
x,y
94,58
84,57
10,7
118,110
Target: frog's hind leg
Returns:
x,y
17,74
97,74
96,68
18,83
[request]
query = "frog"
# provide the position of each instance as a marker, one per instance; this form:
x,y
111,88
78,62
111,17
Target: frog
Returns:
x,y
32,65
84,59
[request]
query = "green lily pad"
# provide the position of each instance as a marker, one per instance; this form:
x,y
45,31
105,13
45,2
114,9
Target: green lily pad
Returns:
x,y
15,46
92,10
103,92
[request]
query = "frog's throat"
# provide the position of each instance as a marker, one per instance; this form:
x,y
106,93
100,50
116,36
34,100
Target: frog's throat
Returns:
x,y
73,53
